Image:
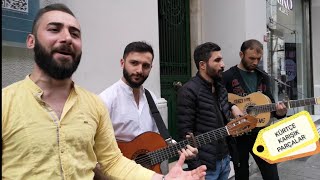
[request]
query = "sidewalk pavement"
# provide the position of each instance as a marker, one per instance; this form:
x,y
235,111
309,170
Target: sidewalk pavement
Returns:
x,y
307,168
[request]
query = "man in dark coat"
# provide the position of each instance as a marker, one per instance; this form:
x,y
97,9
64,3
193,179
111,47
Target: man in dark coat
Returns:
x,y
203,106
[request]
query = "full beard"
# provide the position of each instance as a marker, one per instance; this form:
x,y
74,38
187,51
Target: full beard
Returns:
x,y
130,82
216,76
50,66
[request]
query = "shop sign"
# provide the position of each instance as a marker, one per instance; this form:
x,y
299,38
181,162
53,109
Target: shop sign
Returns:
x,y
286,5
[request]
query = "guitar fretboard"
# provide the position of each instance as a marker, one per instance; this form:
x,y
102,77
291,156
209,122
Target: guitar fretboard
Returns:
x,y
289,104
171,151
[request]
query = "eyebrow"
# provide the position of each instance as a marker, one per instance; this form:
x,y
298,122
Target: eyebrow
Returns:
x,y
134,60
218,58
61,24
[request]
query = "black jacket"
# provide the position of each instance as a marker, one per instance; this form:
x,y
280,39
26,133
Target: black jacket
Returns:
x,y
196,114
235,84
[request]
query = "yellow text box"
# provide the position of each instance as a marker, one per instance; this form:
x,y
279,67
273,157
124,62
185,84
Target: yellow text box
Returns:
x,y
285,137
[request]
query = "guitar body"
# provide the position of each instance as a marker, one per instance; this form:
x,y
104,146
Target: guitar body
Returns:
x,y
254,99
141,145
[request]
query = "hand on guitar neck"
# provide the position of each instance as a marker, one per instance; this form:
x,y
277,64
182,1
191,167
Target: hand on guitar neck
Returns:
x,y
189,152
281,109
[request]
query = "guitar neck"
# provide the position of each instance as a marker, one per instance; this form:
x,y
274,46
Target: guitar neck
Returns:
x,y
162,154
288,104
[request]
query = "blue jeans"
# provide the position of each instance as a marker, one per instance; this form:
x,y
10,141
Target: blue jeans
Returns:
x,y
222,170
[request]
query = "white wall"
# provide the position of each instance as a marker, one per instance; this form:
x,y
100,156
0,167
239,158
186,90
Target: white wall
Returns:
x,y
228,23
107,27
195,30
16,64
315,16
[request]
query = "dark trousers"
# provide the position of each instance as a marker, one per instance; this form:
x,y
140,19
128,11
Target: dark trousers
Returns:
x,y
244,146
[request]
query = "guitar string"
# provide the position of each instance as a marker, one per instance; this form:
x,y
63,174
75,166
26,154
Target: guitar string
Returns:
x,y
292,103
165,153
173,149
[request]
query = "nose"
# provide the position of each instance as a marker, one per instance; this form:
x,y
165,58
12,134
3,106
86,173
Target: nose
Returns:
x,y
139,69
222,64
66,36
256,61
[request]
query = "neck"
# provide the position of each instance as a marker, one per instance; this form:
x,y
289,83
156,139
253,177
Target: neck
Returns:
x,y
135,91
55,92
240,66
47,83
136,94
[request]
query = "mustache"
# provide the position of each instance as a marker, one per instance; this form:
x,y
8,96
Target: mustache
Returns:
x,y
64,49
137,75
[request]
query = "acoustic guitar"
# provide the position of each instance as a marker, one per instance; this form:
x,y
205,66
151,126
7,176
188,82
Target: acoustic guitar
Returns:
x,y
259,105
149,149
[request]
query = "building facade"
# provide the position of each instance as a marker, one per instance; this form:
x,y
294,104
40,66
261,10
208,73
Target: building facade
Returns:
x,y
288,29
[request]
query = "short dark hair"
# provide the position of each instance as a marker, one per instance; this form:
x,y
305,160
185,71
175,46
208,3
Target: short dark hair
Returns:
x,y
203,52
138,46
51,7
251,44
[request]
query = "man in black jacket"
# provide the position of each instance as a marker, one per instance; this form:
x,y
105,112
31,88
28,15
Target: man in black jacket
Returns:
x,y
242,80
203,106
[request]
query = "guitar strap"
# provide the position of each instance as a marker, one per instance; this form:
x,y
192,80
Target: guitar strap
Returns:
x,y
157,117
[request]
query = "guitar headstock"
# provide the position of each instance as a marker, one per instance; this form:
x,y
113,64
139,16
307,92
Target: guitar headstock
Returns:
x,y
241,125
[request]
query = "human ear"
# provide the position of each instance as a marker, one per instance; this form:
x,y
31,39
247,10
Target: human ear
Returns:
x,y
241,54
202,65
122,63
30,41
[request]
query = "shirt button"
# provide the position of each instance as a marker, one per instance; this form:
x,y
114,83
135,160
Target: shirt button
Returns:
x,y
62,150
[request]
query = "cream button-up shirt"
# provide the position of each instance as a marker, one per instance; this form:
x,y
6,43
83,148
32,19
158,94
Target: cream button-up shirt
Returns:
x,y
128,119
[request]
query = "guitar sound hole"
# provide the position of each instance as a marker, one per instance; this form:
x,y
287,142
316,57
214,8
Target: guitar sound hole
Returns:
x,y
144,160
251,111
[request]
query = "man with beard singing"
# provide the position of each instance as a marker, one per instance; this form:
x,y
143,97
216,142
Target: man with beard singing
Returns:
x,y
203,106
126,99
54,129
243,79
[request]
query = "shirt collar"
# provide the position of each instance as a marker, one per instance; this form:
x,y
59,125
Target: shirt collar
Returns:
x,y
37,91
128,89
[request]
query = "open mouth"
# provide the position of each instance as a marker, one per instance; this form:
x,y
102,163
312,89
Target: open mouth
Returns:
x,y
137,78
65,52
